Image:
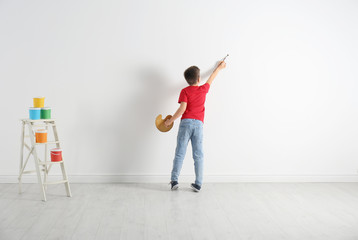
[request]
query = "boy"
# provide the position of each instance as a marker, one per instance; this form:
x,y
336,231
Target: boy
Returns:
x,y
192,100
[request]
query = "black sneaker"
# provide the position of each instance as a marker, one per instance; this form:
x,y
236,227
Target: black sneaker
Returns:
x,y
195,187
175,185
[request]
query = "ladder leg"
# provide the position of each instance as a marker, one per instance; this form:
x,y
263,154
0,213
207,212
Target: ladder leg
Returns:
x,y
54,129
46,159
64,174
67,184
45,175
21,155
42,189
37,165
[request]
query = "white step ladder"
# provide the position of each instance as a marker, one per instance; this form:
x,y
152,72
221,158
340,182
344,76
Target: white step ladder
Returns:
x,y
44,165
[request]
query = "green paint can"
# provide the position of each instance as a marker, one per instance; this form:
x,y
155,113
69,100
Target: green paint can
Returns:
x,y
46,113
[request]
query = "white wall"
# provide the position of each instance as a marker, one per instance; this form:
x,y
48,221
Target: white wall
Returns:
x,y
284,108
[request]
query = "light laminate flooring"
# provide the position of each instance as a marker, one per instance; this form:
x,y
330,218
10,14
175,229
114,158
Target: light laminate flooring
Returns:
x,y
262,211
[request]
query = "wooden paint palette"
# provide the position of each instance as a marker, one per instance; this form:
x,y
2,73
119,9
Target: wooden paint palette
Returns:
x,y
159,122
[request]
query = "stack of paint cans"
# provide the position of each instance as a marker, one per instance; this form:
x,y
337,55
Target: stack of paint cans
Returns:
x,y
39,111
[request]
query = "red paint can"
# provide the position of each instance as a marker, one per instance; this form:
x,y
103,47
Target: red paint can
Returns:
x,y
56,154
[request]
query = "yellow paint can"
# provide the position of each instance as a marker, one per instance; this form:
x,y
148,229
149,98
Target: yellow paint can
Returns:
x,y
39,102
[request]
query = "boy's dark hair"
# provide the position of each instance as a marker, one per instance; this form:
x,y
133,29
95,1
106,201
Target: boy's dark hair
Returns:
x,y
192,75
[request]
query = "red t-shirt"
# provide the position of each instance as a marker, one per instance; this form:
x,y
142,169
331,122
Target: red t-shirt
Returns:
x,y
194,96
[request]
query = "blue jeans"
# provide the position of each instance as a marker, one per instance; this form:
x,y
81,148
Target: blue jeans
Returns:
x,y
189,129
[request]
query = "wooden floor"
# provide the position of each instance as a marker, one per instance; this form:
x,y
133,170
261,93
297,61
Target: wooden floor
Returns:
x,y
304,211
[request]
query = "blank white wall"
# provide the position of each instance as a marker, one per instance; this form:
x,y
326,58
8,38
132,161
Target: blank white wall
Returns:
x,y
286,105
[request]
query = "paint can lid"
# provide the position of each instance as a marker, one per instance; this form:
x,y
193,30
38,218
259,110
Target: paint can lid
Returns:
x,y
33,108
39,97
46,108
56,150
41,131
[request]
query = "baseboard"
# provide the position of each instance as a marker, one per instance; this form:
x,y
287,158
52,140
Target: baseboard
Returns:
x,y
97,178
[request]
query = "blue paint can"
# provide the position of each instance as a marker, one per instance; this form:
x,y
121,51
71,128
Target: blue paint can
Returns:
x,y
34,113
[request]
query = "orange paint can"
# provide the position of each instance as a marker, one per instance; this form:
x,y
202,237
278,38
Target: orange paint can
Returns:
x,y
41,136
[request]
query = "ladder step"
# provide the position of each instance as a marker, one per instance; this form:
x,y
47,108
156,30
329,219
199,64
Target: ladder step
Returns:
x,y
44,125
56,182
51,142
38,120
30,171
49,163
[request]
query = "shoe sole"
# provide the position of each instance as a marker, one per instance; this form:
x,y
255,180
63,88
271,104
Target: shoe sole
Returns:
x,y
175,187
195,190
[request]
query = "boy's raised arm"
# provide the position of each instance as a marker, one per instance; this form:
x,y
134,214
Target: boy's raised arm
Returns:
x,y
221,65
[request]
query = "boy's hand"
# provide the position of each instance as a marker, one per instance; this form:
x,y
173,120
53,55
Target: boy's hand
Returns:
x,y
221,65
167,123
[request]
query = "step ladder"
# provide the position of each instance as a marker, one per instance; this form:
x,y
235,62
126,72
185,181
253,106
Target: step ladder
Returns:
x,y
40,165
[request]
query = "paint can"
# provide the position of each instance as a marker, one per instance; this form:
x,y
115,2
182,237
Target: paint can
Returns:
x,y
56,154
46,113
39,102
41,135
34,113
